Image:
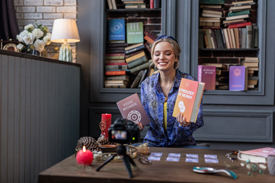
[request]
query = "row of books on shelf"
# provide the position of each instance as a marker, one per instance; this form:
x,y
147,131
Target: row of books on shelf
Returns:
x,y
230,76
229,38
237,14
133,4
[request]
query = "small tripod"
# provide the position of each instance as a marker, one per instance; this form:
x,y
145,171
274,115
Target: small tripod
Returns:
x,y
121,150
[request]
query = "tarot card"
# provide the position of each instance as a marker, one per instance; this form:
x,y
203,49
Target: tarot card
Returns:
x,y
192,156
192,160
156,154
176,155
154,158
175,159
211,160
213,156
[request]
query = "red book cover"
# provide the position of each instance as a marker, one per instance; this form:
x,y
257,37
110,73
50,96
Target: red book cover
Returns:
x,y
151,4
256,155
114,73
207,75
189,99
132,109
239,25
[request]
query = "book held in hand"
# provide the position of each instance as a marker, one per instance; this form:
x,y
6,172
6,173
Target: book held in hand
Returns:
x,y
132,109
256,155
189,99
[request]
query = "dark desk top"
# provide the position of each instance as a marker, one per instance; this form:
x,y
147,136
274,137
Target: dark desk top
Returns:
x,y
159,171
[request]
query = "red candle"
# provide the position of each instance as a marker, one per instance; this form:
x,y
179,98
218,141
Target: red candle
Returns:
x,y
105,124
84,157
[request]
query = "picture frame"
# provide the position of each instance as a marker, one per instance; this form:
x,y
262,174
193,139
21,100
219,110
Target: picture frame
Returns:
x,y
11,47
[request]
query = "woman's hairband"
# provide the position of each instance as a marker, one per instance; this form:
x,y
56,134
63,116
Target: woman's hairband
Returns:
x,y
165,36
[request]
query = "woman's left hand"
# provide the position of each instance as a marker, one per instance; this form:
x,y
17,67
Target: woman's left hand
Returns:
x,y
182,121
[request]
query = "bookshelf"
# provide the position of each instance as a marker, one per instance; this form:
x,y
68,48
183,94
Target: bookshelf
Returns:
x,y
231,44
150,19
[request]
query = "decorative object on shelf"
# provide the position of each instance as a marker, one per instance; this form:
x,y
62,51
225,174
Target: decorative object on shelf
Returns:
x,y
89,142
65,31
10,47
33,39
105,124
84,157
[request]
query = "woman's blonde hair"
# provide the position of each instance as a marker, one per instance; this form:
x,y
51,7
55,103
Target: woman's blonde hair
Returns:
x,y
175,47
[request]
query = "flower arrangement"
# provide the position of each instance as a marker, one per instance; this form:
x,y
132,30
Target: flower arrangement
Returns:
x,y
34,37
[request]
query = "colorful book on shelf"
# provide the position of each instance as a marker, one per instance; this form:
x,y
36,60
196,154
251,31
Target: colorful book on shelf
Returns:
x,y
134,57
236,17
115,86
245,12
123,77
132,109
144,74
256,155
116,29
140,67
207,75
137,62
189,99
238,78
244,24
114,73
134,32
116,67
113,61
212,1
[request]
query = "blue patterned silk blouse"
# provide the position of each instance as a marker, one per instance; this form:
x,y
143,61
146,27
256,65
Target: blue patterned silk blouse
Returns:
x,y
152,99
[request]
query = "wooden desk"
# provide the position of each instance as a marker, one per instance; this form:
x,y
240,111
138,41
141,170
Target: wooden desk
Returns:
x,y
162,171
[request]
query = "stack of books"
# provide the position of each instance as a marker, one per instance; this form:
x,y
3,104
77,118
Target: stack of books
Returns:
x,y
252,64
150,38
134,4
239,29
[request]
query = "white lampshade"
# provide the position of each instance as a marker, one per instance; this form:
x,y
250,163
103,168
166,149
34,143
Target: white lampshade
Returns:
x,y
65,30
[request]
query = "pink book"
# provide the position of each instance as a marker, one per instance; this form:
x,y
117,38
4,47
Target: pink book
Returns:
x,y
256,155
132,109
207,75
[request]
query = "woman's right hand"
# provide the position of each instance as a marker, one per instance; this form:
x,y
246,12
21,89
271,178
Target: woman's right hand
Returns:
x,y
140,125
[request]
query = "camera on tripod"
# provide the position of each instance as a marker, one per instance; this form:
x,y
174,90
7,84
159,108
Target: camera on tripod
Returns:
x,y
124,131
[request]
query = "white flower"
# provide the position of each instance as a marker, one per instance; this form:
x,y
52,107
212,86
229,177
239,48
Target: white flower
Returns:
x,y
30,26
47,38
20,46
21,35
39,45
37,33
19,38
28,39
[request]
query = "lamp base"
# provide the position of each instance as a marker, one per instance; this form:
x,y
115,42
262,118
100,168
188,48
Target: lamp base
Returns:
x,y
65,52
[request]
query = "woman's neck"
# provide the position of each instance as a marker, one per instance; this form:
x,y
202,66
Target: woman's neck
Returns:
x,y
167,77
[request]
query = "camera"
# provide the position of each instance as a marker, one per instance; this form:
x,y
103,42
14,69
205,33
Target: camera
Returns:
x,y
124,131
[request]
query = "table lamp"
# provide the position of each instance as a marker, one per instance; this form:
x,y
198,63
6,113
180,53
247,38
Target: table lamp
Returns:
x,y
65,31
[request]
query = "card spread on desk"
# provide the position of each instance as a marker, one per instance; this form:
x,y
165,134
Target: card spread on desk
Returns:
x,y
192,156
176,155
170,158
192,160
156,154
211,160
154,158
211,156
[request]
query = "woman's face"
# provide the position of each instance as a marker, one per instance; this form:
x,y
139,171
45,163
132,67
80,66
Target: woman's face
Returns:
x,y
164,57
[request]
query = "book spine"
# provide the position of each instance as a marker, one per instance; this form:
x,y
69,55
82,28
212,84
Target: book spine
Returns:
x,y
117,78
111,73
134,49
110,4
156,3
246,12
200,38
116,67
151,4
135,82
149,40
239,25
211,38
115,63
114,57
236,34
150,34
240,37
137,62
208,38
211,1
205,39
135,57
223,38
140,67
243,37
199,73
248,36
256,35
